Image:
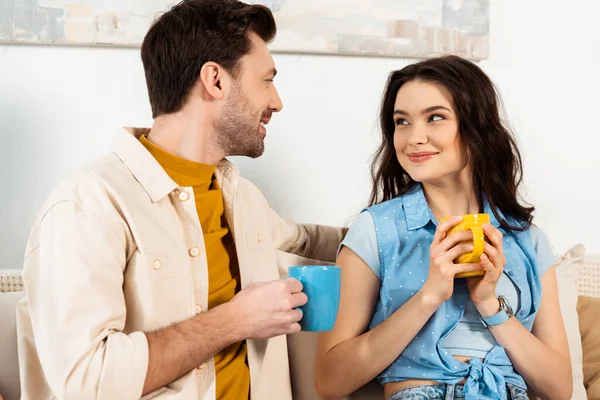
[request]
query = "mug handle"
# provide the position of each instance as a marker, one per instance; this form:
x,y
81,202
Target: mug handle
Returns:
x,y
478,241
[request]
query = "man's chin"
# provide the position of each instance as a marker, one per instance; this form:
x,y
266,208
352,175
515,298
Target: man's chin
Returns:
x,y
251,153
257,153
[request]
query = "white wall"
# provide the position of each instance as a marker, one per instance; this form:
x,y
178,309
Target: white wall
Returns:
x,y
59,107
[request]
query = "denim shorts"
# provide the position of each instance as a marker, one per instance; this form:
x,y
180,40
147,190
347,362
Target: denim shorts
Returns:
x,y
448,392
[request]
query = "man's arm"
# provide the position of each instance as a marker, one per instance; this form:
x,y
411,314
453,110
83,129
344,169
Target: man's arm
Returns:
x,y
260,311
176,350
319,242
74,281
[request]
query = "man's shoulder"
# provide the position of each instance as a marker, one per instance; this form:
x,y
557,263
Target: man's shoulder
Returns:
x,y
248,191
92,185
245,185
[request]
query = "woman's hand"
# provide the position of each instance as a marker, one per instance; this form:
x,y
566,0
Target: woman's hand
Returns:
x,y
483,289
444,249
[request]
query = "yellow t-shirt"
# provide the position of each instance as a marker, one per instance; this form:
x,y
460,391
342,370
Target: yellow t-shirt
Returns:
x,y
233,375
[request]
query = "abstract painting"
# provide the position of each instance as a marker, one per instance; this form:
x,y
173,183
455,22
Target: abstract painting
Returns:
x,y
393,28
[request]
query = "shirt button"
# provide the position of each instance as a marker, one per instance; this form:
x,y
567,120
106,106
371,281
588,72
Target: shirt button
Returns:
x,y
194,252
511,273
202,366
198,308
156,264
183,196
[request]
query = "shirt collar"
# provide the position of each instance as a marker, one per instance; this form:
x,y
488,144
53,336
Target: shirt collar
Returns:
x,y
417,211
418,214
147,171
487,209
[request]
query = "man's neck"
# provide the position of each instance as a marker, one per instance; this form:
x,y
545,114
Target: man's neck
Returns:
x,y
189,137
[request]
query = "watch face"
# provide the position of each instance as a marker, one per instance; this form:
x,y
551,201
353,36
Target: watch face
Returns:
x,y
505,306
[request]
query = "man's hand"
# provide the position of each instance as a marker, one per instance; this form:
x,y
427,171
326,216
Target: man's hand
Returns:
x,y
260,311
268,309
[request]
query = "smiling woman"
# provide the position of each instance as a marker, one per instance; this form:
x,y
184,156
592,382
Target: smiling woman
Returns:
x,y
407,315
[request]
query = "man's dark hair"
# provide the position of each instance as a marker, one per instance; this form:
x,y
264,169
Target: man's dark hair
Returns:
x,y
189,35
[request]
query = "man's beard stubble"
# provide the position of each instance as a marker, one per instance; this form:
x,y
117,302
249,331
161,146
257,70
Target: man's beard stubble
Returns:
x,y
237,131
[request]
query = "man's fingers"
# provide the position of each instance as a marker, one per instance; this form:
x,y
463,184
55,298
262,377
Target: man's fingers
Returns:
x,y
293,284
294,328
295,315
299,299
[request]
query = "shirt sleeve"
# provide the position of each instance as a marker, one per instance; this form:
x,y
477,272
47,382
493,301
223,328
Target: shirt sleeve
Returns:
x,y
74,283
362,240
545,255
317,242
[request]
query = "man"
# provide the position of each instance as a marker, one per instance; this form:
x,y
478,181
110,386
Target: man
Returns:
x,y
153,272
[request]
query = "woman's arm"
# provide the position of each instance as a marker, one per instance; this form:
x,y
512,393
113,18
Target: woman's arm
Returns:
x,y
542,356
349,356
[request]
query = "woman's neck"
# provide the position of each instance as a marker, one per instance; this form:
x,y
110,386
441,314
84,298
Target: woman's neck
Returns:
x,y
452,198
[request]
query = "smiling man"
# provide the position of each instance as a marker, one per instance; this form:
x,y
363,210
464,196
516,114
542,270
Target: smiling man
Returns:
x,y
153,272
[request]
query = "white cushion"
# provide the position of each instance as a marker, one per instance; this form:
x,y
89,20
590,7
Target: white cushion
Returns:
x,y
9,366
567,270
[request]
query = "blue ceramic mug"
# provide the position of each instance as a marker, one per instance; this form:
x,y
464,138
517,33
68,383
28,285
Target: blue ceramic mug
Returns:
x,y
321,284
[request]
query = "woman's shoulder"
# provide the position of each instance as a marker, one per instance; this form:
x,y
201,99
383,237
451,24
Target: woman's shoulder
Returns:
x,y
545,256
361,238
392,204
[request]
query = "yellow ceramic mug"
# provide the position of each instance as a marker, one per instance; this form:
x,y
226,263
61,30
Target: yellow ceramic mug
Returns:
x,y
472,222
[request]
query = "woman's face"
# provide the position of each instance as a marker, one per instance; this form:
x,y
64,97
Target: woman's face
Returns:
x,y
426,137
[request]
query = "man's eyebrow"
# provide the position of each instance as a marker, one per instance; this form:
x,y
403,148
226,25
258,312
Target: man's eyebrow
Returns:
x,y
272,72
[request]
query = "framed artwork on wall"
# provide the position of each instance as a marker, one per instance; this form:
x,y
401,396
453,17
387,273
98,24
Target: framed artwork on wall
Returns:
x,y
390,28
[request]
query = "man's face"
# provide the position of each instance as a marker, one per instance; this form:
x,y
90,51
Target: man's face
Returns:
x,y
252,101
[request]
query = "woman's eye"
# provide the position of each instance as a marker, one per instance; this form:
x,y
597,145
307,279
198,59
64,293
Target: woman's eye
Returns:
x,y
435,118
401,121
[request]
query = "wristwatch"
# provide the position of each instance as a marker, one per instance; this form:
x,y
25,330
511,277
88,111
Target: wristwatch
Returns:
x,y
501,316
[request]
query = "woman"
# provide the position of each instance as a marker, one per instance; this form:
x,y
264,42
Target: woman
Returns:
x,y
403,315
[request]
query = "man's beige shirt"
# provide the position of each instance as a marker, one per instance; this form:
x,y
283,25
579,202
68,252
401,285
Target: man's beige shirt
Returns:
x,y
118,251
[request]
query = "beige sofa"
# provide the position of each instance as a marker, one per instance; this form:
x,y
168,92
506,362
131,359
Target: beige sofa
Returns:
x,y
579,279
